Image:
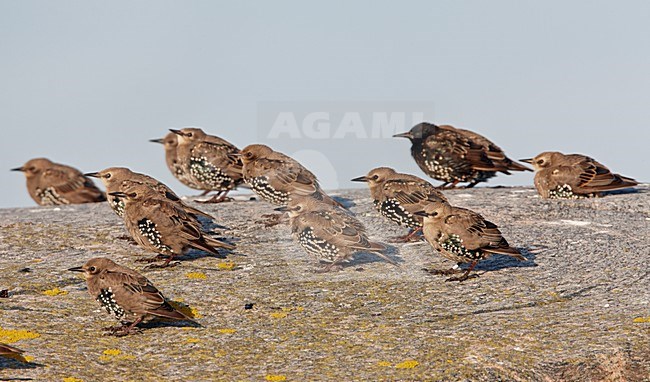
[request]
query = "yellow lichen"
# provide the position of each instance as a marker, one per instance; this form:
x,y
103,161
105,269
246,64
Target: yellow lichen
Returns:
x,y
72,379
279,314
641,320
226,266
187,310
226,331
112,352
55,292
408,364
275,378
115,355
10,336
192,340
384,364
196,276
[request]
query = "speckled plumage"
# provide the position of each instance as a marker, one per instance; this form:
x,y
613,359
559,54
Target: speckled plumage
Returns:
x,y
329,233
454,155
574,176
163,226
117,179
125,294
50,183
398,196
463,236
276,177
211,162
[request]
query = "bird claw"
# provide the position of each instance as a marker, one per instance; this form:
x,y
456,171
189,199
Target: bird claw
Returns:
x,y
443,272
163,265
463,277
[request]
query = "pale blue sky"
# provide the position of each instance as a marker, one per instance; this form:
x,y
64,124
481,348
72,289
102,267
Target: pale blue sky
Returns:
x,y
87,83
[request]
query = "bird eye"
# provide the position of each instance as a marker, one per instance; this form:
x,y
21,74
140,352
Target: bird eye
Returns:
x,y
375,177
190,135
92,269
249,154
32,168
433,214
107,176
541,161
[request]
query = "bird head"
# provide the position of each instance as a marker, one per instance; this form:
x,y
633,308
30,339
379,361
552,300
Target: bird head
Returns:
x,y
189,134
34,167
418,132
170,141
435,210
111,176
94,267
543,160
251,153
376,177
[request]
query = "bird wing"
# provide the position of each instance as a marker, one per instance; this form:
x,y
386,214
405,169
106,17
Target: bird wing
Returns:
x,y
412,195
342,229
72,183
221,155
466,155
287,175
175,216
594,176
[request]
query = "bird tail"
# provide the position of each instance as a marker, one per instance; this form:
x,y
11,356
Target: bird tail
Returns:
x,y
196,212
166,310
208,244
378,249
6,349
507,250
514,166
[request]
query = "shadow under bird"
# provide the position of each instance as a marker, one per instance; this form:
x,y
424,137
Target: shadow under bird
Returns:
x,y
162,226
211,162
328,232
463,236
573,176
117,179
170,143
126,295
453,155
276,177
50,183
399,196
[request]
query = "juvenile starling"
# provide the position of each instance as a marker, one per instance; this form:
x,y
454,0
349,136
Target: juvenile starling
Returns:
x,y
170,143
462,236
125,294
9,350
50,183
573,176
399,196
211,162
454,155
328,232
276,177
160,225
119,178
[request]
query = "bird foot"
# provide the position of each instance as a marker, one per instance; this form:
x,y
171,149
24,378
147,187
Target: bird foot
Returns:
x,y
216,199
271,220
443,272
152,259
166,264
462,278
121,330
329,268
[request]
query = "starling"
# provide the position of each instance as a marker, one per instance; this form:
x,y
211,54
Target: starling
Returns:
x,y
211,162
328,232
170,143
276,177
163,226
463,236
9,350
125,294
51,183
574,176
398,196
454,155
119,178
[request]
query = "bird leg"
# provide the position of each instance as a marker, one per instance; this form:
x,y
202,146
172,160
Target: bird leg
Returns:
x,y
474,183
465,275
204,193
125,330
334,266
443,186
158,257
218,198
443,272
410,237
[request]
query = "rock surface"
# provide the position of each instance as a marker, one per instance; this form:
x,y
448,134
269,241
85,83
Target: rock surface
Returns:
x,y
578,309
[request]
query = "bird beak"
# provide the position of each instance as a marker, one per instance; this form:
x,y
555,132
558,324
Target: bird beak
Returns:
x,y
421,213
92,174
76,269
281,209
360,179
404,135
119,194
17,169
529,160
159,140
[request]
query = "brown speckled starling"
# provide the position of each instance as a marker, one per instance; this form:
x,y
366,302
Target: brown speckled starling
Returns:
x,y
454,155
9,350
399,196
462,236
573,176
170,143
125,294
50,183
276,177
211,162
160,225
119,178
328,232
